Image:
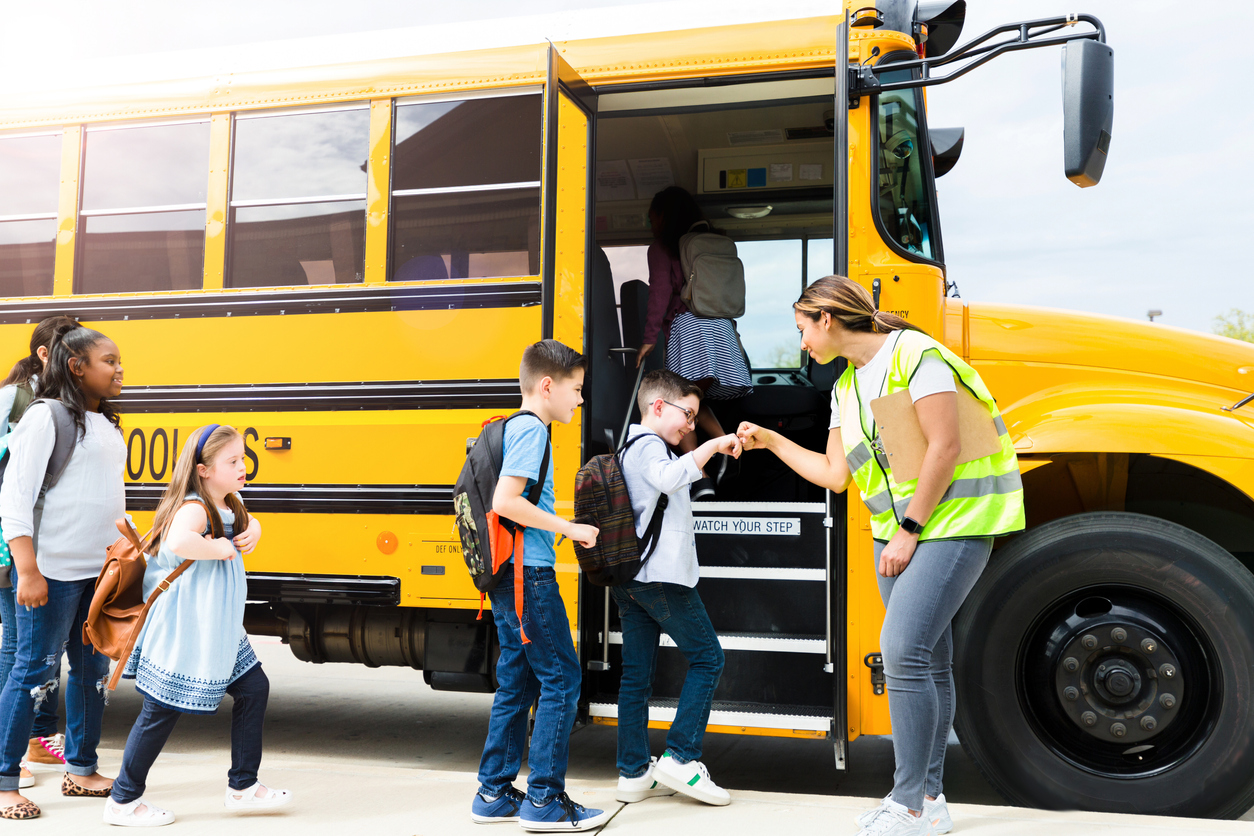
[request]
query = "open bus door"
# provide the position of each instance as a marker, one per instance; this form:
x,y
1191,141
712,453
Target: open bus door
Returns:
x,y
770,546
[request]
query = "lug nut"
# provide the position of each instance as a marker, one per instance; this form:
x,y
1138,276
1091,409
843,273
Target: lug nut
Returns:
x,y
1118,730
1089,641
1148,646
1101,668
1119,634
1071,663
1167,671
1088,718
1148,723
1072,693
1167,700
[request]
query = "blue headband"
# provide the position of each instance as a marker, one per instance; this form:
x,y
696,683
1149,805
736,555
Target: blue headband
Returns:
x,y
200,444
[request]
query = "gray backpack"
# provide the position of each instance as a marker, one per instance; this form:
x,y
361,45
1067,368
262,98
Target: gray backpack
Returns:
x,y
66,434
714,276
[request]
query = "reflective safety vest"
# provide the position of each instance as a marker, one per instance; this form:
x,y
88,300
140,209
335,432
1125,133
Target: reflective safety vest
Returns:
x,y
985,497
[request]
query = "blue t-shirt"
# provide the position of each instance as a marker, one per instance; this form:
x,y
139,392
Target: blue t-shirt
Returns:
x,y
524,443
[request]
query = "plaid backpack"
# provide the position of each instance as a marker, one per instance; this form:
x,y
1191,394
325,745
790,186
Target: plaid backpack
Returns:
x,y
488,539
602,500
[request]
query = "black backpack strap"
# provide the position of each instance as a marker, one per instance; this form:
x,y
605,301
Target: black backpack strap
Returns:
x,y
533,495
653,529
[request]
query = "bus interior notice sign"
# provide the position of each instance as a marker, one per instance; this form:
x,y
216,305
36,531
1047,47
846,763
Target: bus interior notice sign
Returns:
x,y
784,526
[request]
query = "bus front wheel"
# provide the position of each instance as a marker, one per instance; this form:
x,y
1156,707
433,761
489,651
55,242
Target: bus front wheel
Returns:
x,y
1106,662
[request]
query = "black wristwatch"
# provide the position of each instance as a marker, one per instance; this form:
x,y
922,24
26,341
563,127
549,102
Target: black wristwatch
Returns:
x,y
911,526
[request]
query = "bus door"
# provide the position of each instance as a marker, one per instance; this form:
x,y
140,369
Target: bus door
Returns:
x,y
757,154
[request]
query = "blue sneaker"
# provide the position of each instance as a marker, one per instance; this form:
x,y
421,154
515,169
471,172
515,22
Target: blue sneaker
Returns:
x,y
561,814
501,809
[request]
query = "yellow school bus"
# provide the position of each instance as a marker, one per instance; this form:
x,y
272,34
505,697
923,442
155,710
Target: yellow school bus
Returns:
x,y
346,261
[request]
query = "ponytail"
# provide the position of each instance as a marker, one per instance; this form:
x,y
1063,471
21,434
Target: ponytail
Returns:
x,y
850,304
46,334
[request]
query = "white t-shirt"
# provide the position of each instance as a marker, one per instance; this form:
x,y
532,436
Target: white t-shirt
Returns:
x,y
932,377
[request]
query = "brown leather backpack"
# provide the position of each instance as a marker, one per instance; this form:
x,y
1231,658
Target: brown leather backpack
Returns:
x,y
118,609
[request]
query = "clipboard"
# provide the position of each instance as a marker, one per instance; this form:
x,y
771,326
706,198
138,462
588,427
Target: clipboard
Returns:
x,y
903,439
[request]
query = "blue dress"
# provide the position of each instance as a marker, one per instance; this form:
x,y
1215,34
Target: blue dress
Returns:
x,y
193,644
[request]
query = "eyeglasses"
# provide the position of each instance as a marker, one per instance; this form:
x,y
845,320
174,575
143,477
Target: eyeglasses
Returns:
x,y
688,413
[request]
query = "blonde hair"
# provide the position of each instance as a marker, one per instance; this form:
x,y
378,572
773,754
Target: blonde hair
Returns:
x,y
848,303
186,480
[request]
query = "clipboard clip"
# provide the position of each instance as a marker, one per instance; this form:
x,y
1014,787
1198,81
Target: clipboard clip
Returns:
x,y
877,444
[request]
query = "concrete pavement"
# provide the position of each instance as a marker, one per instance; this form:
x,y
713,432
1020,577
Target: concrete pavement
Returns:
x,y
375,751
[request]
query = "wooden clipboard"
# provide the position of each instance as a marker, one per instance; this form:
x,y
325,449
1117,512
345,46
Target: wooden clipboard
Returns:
x,y
903,438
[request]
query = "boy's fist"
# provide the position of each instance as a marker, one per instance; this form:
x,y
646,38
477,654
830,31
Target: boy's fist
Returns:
x,y
584,535
729,445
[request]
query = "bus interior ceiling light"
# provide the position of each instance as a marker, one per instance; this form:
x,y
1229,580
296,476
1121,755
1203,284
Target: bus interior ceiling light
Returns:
x,y
749,212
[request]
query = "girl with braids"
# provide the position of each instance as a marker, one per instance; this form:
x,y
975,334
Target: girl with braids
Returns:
x,y
16,393
58,539
193,650
932,535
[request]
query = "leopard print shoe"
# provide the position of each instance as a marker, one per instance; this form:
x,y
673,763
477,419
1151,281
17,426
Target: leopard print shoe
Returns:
x,y
73,790
24,810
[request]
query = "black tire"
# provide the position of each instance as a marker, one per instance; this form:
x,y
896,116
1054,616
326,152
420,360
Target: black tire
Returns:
x,y
1063,594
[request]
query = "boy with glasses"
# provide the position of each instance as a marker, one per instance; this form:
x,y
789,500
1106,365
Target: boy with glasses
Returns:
x,y
663,597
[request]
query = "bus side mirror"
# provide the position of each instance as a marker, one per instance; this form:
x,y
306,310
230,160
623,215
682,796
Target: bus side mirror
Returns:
x,y
1088,109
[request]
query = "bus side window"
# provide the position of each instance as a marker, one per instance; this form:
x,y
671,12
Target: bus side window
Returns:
x,y
298,198
30,172
466,188
142,222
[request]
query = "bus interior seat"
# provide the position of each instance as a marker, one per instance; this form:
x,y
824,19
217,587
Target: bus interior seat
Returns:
x,y
610,375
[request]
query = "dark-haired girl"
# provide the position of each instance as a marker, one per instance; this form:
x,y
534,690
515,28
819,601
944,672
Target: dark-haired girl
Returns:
x,y
704,350
193,650
58,541
16,393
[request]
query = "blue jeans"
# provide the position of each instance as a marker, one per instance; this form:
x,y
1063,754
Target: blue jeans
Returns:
x,y
250,693
46,716
647,609
546,667
43,633
916,642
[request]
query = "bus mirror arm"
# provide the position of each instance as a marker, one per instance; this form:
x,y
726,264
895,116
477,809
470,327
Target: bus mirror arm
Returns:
x,y
1088,82
863,80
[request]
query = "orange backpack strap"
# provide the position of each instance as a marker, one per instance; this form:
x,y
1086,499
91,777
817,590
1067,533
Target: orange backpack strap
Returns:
x,y
518,584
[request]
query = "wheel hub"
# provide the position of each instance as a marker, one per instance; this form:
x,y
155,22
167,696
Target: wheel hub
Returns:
x,y
1117,681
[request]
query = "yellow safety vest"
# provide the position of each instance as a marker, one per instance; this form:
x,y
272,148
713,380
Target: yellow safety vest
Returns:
x,y
985,497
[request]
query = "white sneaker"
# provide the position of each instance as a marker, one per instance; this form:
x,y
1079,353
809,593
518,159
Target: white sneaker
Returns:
x,y
893,819
124,815
248,800
26,778
938,813
866,818
691,778
640,788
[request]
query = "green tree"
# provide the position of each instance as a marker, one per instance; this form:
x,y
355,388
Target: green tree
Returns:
x,y
1236,324
785,355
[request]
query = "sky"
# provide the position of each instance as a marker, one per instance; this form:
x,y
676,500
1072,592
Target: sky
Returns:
x,y
1165,229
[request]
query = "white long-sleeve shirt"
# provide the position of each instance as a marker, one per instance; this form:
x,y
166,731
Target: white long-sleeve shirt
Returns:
x,y
650,470
77,520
